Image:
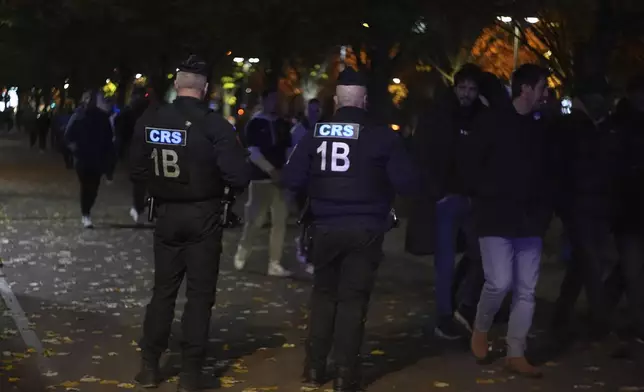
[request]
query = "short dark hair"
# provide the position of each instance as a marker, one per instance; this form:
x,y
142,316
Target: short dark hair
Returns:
x,y
527,75
469,71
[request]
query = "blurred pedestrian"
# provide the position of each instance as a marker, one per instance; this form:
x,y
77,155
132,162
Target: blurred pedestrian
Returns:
x,y
268,140
90,138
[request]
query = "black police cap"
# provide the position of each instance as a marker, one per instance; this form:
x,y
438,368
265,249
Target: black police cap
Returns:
x,y
351,77
194,64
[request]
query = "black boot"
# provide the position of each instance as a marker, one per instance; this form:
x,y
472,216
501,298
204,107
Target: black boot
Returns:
x,y
314,376
149,376
347,380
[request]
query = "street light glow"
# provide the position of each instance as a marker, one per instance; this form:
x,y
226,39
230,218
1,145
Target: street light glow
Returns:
x,y
532,20
107,81
138,76
238,60
366,25
396,80
505,19
66,86
253,60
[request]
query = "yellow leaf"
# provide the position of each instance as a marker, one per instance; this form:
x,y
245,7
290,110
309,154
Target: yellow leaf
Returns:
x,y
377,352
439,384
126,386
48,353
109,382
14,379
31,350
89,379
484,381
288,345
69,384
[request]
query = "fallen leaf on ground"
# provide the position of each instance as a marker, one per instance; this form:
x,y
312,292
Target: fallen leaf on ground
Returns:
x,y
377,352
288,345
125,385
89,379
109,382
440,384
50,374
14,379
69,384
485,381
228,382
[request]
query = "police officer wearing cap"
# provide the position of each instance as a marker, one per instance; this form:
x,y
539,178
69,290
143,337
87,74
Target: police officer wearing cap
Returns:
x,y
351,170
187,156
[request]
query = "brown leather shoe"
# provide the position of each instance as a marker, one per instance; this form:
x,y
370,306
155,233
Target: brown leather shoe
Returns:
x,y
521,366
479,344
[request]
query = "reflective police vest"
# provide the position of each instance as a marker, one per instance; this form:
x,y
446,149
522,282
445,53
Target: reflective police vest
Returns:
x,y
182,165
342,169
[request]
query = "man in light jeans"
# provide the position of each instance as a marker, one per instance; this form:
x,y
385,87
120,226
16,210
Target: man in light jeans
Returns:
x,y
269,141
510,265
512,212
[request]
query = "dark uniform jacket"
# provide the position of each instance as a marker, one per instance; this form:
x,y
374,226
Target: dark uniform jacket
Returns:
x,y
351,174
187,153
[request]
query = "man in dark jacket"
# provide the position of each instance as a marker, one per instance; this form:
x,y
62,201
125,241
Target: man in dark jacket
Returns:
x,y
588,163
630,224
448,185
89,137
512,212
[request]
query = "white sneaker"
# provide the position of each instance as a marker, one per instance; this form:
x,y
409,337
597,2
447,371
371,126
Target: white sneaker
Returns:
x,y
276,269
240,258
136,217
87,222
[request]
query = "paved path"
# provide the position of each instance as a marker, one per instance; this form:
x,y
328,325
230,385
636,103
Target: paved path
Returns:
x,y
83,293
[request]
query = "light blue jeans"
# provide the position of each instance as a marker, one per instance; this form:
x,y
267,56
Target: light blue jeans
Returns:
x,y
509,264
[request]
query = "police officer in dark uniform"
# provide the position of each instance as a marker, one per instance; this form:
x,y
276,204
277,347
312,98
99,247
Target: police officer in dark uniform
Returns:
x,y
350,171
188,156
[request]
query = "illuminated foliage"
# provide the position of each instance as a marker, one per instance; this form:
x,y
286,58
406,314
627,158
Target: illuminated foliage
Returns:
x,y
494,51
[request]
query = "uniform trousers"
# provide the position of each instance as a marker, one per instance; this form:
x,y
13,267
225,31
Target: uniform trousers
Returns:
x,y
345,261
187,244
